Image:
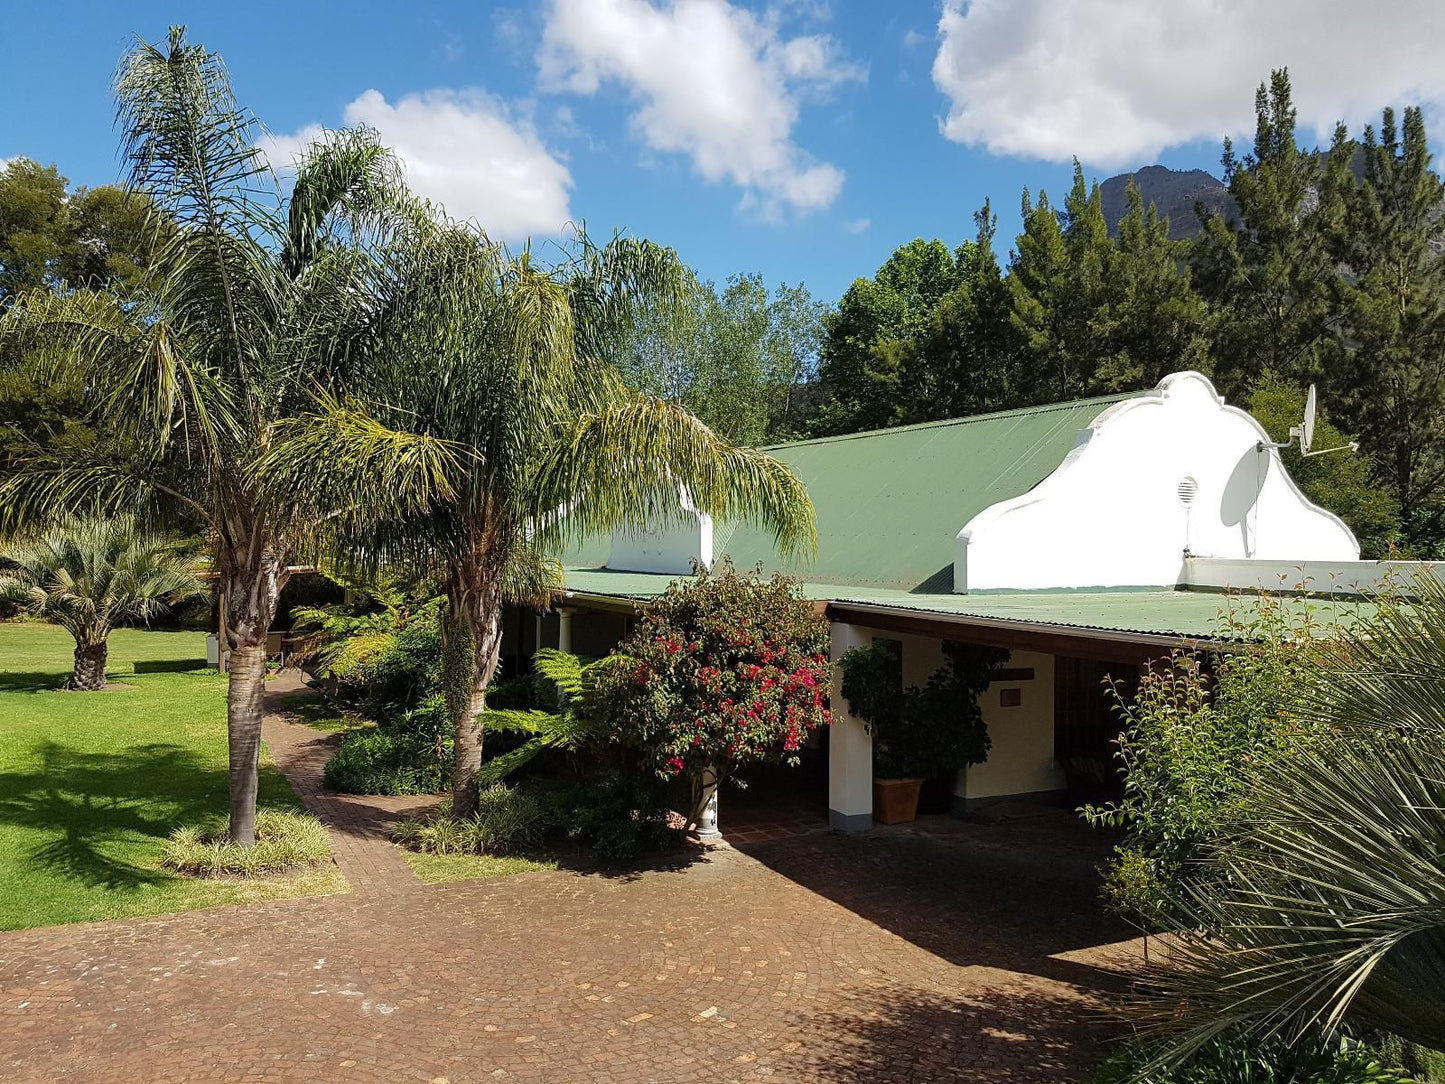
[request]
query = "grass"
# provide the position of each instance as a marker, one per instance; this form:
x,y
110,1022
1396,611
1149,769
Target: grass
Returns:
x,y
432,868
92,784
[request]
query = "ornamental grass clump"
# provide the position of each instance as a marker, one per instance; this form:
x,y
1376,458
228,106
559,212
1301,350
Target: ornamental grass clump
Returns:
x,y
285,841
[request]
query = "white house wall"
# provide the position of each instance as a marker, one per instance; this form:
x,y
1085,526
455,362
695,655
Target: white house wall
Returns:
x,y
1111,513
673,547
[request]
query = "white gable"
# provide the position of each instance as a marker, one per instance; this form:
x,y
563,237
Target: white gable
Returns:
x,y
1169,474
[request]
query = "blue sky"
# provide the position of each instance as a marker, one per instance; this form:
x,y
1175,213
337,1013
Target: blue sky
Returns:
x,y
799,138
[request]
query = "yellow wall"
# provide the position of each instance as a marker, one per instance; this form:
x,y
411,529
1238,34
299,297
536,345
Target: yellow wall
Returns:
x,y
1021,760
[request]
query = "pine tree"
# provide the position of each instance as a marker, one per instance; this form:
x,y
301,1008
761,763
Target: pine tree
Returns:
x,y
1038,286
1152,319
1270,276
1390,385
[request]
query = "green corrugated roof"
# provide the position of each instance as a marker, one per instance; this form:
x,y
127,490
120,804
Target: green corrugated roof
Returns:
x,y
1166,613
890,502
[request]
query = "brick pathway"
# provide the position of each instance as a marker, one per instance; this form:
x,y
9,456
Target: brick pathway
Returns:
x,y
360,824
975,953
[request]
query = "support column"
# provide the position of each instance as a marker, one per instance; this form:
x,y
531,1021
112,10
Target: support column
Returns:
x,y
850,747
564,628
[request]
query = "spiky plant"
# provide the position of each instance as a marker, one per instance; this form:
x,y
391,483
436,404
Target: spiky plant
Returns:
x,y
255,302
492,425
90,577
1329,913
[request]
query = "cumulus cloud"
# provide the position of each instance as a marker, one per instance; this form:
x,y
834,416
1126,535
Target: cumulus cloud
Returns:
x,y
711,81
1116,81
857,225
466,150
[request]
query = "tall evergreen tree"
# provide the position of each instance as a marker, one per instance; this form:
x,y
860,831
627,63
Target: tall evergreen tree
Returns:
x,y
1271,276
1390,385
1152,320
1038,285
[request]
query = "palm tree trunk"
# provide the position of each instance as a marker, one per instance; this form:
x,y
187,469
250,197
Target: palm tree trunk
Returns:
x,y
244,710
469,660
89,671
252,575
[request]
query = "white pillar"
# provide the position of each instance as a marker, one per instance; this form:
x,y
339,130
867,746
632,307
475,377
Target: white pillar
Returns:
x,y
850,747
564,628
707,829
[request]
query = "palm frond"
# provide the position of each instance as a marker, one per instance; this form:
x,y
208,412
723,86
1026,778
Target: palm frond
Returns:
x,y
634,463
339,465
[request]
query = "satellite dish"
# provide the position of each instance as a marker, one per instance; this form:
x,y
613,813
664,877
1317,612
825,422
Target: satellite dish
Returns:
x,y
1307,427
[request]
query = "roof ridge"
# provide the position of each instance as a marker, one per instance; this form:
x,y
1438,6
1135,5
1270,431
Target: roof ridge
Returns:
x,y
1043,408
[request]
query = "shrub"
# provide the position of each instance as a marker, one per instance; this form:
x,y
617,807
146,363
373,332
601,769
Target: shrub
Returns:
x,y
1196,739
619,816
284,841
1237,1059
508,820
722,670
389,761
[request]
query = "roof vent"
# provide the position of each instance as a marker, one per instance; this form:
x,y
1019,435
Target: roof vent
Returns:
x,y
1188,490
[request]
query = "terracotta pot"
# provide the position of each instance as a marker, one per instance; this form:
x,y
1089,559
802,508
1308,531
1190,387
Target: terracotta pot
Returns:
x,y
895,801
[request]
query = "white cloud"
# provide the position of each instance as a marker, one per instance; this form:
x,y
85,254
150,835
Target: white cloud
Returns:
x,y
711,81
465,150
1116,81
912,39
857,225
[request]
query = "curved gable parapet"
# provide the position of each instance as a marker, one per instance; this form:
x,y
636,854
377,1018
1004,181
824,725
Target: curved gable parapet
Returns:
x,y
1172,473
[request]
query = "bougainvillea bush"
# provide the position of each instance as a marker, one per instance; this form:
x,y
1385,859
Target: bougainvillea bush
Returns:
x,y
723,670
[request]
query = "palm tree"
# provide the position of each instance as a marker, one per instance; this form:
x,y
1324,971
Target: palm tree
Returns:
x,y
90,577
491,427
255,302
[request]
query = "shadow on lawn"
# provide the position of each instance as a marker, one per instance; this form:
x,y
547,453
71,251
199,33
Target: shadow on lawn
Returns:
x,y
33,681
96,800
170,666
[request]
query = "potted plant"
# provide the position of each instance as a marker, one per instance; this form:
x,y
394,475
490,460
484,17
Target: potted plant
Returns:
x,y
918,731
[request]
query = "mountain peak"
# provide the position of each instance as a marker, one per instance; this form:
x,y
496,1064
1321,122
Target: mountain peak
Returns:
x,y
1175,192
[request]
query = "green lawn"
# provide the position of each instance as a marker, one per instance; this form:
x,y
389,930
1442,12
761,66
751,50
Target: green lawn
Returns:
x,y
431,868
92,783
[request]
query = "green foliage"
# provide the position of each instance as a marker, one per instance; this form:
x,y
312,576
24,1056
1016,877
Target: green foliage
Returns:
x,y
1341,481
619,815
1195,739
91,238
735,357
1271,276
927,731
90,577
1390,388
574,723
508,820
1243,1059
285,841
1321,907
722,670
389,761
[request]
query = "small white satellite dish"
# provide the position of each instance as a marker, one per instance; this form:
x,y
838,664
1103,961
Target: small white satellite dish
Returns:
x,y
1305,432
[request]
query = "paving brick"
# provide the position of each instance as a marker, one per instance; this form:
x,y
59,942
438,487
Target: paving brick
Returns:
x,y
943,951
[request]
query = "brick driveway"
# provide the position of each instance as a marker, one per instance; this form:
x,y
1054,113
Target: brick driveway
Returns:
x,y
968,952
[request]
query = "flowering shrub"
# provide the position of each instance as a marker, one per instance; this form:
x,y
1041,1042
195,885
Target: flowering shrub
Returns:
x,y
722,670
